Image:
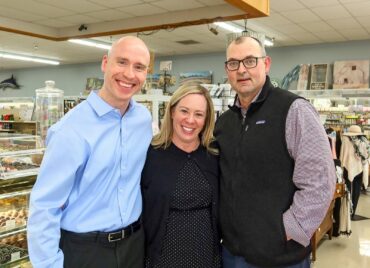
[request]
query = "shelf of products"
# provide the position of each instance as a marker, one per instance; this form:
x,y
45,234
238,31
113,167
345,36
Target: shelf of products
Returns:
x,y
333,93
20,158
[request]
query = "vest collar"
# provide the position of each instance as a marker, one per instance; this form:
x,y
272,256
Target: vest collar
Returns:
x,y
261,97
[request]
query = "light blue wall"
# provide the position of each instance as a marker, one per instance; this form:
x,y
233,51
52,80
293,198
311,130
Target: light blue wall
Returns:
x,y
285,59
72,78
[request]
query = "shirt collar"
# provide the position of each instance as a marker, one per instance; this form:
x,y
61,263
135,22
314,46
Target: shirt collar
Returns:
x,y
101,107
244,110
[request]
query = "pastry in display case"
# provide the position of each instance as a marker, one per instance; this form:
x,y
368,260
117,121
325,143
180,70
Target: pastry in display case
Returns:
x,y
13,248
20,156
13,222
20,159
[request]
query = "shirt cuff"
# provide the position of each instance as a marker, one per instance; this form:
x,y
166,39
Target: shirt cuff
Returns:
x,y
294,230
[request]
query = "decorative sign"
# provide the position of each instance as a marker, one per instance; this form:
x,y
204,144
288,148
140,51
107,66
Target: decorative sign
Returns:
x,y
351,74
165,65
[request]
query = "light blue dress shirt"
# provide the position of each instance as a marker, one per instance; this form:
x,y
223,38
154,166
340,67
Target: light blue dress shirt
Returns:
x,y
89,179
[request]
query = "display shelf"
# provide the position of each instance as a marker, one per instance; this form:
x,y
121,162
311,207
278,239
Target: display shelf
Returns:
x,y
13,231
333,93
13,221
18,122
20,156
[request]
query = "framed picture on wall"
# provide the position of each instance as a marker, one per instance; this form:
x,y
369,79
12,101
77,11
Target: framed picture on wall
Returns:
x,y
351,74
319,76
93,83
303,77
201,77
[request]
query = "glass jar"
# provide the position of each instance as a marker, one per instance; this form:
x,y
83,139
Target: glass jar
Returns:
x,y
49,107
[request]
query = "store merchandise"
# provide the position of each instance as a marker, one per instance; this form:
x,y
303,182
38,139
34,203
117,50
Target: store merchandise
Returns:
x,y
20,157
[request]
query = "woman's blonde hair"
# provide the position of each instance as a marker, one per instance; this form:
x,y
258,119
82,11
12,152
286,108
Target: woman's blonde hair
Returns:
x,y
164,138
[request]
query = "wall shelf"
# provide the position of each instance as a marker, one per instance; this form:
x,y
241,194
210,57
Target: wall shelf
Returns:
x,y
333,93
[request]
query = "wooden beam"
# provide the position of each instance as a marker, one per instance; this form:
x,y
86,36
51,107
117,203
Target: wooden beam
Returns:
x,y
131,30
253,8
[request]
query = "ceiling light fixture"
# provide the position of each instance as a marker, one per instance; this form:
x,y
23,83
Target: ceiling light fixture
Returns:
x,y
91,43
229,27
13,56
269,42
236,29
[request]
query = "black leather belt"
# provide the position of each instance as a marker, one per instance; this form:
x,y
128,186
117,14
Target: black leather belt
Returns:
x,y
108,236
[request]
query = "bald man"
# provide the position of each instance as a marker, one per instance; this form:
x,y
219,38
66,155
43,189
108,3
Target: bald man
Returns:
x,y
86,203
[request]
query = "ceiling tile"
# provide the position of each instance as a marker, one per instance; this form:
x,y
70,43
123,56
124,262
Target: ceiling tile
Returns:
x,y
331,12
355,34
79,19
143,10
364,21
351,1
291,43
318,3
116,3
306,38
285,5
109,15
316,26
212,2
330,36
290,29
178,5
344,23
359,8
54,23
19,15
73,5
276,20
36,7
302,15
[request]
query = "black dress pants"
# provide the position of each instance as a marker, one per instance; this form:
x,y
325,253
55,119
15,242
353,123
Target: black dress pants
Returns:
x,y
85,252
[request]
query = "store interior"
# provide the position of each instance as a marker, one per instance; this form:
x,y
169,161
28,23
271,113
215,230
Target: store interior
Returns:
x,y
303,32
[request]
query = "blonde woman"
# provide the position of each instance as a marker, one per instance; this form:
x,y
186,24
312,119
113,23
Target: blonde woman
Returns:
x,y
180,185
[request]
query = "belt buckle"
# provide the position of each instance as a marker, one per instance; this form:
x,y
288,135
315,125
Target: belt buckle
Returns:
x,y
123,234
110,239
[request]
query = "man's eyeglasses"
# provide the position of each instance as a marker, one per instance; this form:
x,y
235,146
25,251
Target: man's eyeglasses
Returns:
x,y
249,62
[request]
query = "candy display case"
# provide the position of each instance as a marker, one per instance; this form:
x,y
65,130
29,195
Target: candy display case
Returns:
x,y
13,220
20,156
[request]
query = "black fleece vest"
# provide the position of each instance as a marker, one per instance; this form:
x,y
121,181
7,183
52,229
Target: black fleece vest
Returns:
x,y
256,180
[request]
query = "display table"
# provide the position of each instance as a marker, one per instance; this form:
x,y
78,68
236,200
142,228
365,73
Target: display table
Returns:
x,y
326,227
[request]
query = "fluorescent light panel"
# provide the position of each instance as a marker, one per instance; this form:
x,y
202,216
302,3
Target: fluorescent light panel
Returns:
x,y
269,42
91,43
13,56
229,27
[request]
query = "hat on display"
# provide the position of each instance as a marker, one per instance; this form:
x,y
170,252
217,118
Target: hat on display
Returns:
x,y
354,130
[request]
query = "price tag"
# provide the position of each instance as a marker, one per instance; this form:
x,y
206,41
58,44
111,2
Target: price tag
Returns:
x,y
15,256
10,224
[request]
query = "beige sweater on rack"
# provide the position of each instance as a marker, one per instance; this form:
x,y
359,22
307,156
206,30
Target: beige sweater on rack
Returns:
x,y
352,162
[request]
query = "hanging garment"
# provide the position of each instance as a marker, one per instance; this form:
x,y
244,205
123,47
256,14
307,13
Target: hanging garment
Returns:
x,y
345,215
354,164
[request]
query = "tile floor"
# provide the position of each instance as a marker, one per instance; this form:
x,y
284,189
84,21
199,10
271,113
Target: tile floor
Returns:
x,y
352,252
